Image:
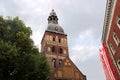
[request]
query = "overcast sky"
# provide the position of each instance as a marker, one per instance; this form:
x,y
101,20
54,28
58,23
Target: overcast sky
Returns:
x,y
82,20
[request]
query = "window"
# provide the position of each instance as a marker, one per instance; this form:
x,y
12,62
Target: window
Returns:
x,y
50,18
59,40
118,22
116,39
118,63
53,18
53,49
54,62
112,48
61,50
53,39
60,61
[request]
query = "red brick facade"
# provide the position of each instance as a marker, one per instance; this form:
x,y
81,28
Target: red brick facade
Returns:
x,y
111,34
58,41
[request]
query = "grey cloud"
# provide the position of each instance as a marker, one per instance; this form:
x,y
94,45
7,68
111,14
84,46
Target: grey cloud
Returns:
x,y
91,68
82,15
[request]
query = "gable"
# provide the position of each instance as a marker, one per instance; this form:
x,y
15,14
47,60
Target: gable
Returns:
x,y
67,71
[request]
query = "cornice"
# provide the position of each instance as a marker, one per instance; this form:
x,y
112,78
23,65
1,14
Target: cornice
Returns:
x,y
107,19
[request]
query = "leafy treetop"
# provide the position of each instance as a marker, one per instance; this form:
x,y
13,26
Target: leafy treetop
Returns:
x,y
19,58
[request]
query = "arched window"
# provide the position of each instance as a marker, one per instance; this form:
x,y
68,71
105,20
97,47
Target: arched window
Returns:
x,y
53,18
53,39
53,49
61,50
50,18
54,62
60,61
59,40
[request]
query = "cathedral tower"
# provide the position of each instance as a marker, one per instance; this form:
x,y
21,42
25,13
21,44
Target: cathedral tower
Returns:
x,y
54,46
54,43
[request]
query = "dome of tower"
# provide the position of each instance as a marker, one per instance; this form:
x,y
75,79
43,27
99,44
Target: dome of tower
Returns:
x,y
55,28
53,25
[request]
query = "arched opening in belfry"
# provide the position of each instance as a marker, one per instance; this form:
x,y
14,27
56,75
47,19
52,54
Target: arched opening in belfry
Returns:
x,y
60,61
61,50
54,62
53,49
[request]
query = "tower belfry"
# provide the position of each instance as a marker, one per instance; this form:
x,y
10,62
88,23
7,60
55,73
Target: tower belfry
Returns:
x,y
54,46
53,17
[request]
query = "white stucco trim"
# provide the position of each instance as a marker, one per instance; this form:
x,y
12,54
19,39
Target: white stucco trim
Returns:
x,y
114,62
110,7
113,9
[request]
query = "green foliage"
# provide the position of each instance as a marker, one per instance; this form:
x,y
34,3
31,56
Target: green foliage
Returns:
x,y
19,58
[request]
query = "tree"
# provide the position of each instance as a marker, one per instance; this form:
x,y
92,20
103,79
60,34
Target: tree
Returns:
x,y
19,58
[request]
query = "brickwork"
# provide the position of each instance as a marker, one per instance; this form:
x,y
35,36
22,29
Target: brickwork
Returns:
x,y
54,46
112,42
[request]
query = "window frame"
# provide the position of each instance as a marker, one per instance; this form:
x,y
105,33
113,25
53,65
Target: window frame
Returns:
x,y
59,40
118,63
118,20
61,50
53,38
53,49
112,48
116,39
54,62
60,61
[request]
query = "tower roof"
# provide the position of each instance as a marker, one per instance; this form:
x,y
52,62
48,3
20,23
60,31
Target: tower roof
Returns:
x,y
53,13
53,25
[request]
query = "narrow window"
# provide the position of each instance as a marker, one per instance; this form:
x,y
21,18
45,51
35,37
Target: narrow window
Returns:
x,y
112,48
61,50
118,22
60,61
53,39
54,62
50,18
53,18
118,63
116,39
53,49
59,40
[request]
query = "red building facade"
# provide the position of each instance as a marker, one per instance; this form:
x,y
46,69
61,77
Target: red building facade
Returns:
x,y
110,52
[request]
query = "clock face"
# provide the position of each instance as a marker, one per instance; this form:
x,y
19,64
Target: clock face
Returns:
x,y
56,28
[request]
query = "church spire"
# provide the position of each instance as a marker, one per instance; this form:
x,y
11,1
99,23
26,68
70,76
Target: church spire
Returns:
x,y
53,17
53,25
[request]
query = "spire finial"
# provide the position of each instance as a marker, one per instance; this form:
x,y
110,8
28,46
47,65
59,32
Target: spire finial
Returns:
x,y
53,13
52,10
